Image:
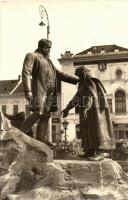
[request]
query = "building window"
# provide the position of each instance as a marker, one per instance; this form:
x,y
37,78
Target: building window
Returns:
x,y
89,52
116,134
120,102
110,104
120,131
102,51
54,133
118,73
78,131
27,111
102,66
116,50
127,134
4,107
15,109
121,134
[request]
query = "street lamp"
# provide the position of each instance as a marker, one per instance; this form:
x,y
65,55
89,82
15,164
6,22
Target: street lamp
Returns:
x,y
42,10
65,125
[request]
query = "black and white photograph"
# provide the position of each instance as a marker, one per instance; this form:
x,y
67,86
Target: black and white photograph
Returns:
x,y
63,100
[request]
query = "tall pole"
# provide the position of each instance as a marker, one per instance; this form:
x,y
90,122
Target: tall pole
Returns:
x,y
65,138
42,10
65,142
65,124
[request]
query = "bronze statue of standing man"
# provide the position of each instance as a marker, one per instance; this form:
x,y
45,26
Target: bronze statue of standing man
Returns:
x,y
40,78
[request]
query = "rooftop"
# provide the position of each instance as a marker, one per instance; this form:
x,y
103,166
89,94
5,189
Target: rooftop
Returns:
x,y
11,86
103,49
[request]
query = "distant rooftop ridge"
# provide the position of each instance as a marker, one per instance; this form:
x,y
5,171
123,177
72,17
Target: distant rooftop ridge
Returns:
x,y
11,86
103,49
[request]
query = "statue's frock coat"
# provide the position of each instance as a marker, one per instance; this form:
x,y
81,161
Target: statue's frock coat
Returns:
x,y
40,77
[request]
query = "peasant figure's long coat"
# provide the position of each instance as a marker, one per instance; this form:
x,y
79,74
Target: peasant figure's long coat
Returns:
x,y
96,130
40,77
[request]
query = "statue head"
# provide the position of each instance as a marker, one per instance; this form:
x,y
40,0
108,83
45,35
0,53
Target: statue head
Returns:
x,y
44,42
44,46
82,72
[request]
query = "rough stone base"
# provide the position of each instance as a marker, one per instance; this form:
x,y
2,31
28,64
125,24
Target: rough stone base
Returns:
x,y
28,172
78,180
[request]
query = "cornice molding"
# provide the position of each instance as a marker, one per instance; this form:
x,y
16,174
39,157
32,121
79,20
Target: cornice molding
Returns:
x,y
96,58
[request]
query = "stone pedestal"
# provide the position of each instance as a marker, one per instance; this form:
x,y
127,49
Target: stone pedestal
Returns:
x,y
28,172
73,180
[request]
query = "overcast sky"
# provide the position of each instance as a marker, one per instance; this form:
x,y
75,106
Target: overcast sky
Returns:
x,y
75,25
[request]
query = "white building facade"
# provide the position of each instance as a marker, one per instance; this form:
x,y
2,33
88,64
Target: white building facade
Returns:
x,y
109,63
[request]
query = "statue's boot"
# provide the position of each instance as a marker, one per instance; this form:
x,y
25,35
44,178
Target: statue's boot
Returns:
x,y
17,116
99,156
87,153
16,119
107,145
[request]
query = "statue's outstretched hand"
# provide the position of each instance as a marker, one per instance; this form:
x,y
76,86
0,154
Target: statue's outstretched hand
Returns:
x,y
64,113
